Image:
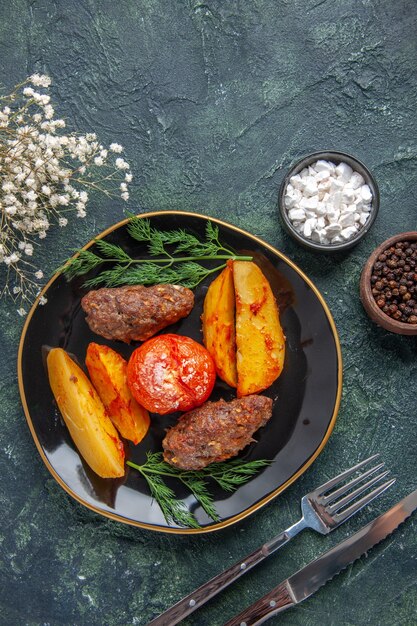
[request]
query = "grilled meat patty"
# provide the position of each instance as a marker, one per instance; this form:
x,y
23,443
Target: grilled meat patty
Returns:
x,y
215,431
135,313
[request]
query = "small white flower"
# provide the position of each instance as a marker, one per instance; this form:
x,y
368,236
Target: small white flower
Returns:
x,y
8,186
83,196
121,164
128,177
37,117
46,190
99,161
43,300
103,154
40,80
81,210
29,249
116,147
10,210
16,290
125,196
82,169
28,92
91,136
123,187
21,312
63,200
42,234
62,221
39,274
49,111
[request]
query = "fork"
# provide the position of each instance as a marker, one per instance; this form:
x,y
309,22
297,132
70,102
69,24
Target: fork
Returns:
x,y
323,510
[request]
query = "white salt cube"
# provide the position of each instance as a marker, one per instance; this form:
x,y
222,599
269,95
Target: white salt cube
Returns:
x,y
321,222
351,208
289,188
347,219
366,208
333,215
321,165
321,209
310,187
336,239
290,201
344,171
366,193
356,180
363,217
336,185
312,202
333,229
348,195
324,185
322,175
348,232
296,181
308,226
337,200
296,214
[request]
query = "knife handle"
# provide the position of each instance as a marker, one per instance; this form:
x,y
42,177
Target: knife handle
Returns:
x,y
276,601
212,587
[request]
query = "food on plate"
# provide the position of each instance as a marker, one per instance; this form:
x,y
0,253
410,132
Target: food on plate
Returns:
x,y
85,416
260,341
108,373
242,330
135,312
219,325
171,373
215,431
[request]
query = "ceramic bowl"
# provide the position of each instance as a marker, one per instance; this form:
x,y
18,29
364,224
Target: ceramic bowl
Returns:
x,y
334,157
368,300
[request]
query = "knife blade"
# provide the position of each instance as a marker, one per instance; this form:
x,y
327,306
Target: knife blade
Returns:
x,y
317,573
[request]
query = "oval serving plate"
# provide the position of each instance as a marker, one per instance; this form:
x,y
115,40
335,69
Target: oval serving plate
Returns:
x,y
306,396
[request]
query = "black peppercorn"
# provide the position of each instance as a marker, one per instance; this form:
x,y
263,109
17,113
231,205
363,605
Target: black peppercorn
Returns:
x,y
394,281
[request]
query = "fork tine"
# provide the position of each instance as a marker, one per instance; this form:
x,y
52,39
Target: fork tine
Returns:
x,y
354,508
332,508
333,495
337,479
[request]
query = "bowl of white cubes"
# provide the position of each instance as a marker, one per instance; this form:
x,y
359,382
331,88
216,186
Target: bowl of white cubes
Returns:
x,y
328,201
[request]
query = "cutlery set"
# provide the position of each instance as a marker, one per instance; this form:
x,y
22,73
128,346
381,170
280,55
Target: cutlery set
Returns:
x,y
323,510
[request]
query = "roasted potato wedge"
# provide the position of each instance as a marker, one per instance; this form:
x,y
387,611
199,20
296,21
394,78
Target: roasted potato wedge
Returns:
x,y
85,416
108,373
260,340
219,325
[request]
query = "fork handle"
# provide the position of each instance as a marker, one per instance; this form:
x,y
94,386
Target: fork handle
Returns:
x,y
274,602
212,587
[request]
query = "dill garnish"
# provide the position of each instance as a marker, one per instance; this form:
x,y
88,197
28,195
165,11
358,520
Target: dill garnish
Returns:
x,y
179,256
228,475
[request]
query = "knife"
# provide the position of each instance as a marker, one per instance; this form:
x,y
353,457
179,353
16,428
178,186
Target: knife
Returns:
x,y
310,578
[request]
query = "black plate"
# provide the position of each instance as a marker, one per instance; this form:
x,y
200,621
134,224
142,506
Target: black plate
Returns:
x,y
307,395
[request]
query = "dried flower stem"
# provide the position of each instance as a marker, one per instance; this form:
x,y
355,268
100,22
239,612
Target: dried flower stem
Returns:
x,y
44,175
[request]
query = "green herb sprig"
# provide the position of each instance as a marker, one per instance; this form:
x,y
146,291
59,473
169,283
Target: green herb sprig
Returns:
x,y
229,476
179,255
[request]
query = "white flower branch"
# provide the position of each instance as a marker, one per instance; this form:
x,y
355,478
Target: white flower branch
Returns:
x,y
44,174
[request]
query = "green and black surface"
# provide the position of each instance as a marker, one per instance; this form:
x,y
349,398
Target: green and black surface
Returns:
x,y
213,102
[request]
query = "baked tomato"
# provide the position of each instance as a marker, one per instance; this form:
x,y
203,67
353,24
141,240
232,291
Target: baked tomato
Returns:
x,y
170,373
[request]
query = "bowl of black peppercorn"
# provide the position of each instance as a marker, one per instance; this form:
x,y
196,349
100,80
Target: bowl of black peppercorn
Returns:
x,y
388,285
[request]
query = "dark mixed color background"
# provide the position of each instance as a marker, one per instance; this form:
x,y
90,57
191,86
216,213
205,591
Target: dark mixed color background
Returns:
x,y
213,102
